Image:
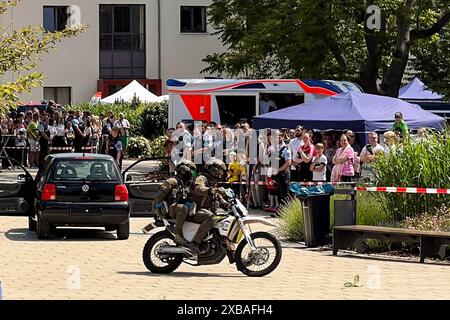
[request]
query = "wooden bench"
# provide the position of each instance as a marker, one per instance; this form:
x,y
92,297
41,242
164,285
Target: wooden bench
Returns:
x,y
431,243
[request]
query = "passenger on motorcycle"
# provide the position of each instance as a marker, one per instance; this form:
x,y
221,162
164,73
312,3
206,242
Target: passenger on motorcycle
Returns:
x,y
202,193
171,199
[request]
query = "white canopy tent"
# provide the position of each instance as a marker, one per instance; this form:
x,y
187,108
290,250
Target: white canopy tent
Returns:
x,y
127,94
163,98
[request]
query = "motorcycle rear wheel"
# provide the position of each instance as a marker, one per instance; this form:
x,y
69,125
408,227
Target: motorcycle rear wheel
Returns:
x,y
243,262
150,258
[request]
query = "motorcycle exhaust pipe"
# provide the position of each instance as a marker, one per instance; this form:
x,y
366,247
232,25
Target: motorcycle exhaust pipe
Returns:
x,y
173,250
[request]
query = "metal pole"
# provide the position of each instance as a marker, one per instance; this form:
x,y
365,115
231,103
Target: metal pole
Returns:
x,y
159,38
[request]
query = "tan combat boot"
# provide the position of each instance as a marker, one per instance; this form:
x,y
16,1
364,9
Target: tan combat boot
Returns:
x,y
180,240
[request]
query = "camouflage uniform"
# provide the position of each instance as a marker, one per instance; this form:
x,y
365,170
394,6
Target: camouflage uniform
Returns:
x,y
178,211
201,194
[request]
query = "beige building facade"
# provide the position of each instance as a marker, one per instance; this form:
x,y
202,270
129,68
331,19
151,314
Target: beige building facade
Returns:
x,y
147,40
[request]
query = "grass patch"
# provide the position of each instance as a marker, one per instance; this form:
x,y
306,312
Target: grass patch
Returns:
x,y
290,225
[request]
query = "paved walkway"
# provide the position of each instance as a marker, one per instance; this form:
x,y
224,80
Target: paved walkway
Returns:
x,y
110,269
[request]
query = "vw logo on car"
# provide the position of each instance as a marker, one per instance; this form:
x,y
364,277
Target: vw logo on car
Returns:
x,y
85,188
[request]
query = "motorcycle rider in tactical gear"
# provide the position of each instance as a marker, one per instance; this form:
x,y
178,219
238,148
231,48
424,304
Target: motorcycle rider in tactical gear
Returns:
x,y
201,193
174,192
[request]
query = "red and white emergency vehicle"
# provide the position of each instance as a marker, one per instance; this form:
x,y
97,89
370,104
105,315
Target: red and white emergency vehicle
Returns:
x,y
228,101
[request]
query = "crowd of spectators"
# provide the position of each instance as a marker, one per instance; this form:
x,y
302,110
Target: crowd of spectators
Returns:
x,y
303,155
29,137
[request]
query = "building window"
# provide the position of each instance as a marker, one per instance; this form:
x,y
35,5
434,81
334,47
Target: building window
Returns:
x,y
61,95
122,41
55,18
193,19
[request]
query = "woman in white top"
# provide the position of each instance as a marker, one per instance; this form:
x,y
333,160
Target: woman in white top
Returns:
x,y
59,139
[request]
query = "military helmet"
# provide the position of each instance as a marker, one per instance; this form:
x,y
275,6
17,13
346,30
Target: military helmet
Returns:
x,y
215,168
185,169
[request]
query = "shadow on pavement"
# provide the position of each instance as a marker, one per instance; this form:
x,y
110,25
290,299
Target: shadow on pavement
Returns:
x,y
24,234
393,259
183,274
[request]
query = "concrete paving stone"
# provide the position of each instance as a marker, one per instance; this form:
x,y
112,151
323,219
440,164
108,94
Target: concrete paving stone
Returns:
x,y
110,269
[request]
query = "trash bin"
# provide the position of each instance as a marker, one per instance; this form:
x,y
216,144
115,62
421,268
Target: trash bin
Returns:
x,y
345,210
316,218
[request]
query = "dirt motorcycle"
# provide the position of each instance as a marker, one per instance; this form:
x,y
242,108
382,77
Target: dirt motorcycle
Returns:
x,y
256,254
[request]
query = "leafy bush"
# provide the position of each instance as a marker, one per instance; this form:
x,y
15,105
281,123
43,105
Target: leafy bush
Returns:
x,y
156,147
139,147
290,224
154,119
439,221
146,119
415,164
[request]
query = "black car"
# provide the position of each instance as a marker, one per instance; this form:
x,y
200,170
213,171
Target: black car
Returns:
x,y
75,189
80,190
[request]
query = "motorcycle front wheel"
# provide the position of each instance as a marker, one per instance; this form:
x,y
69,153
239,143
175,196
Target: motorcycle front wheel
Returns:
x,y
262,261
160,263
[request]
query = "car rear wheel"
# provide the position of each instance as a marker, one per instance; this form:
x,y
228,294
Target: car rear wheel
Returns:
x,y
123,231
43,228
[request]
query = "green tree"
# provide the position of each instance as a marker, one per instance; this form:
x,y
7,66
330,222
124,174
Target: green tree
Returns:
x,y
433,61
19,53
325,39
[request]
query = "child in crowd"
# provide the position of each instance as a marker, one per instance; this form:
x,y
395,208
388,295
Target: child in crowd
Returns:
x,y
319,164
272,188
236,172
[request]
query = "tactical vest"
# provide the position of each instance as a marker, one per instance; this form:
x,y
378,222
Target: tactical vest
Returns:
x,y
202,200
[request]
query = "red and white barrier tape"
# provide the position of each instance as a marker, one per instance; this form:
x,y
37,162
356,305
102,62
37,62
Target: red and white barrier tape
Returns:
x,y
60,148
404,190
69,148
315,183
307,183
369,189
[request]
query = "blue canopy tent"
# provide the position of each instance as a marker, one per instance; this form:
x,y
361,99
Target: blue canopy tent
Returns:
x,y
416,92
360,112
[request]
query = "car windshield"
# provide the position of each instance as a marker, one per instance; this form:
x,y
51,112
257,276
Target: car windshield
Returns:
x,y
78,170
